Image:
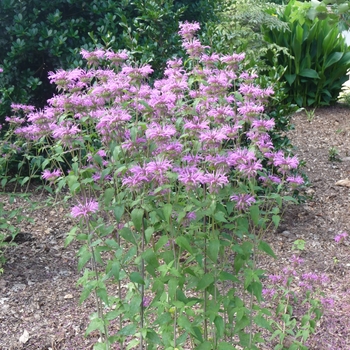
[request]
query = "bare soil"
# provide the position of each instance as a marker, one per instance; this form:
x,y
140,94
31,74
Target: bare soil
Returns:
x,y
39,296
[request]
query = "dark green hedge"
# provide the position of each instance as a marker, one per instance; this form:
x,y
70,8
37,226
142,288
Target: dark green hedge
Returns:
x,y
41,36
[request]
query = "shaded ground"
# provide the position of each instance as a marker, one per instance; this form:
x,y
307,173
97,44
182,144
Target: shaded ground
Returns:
x,y
38,292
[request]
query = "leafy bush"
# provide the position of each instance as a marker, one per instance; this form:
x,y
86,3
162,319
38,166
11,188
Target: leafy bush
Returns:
x,y
38,37
318,58
10,218
174,185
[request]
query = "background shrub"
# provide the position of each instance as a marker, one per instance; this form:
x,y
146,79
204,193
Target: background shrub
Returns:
x,y
318,58
38,37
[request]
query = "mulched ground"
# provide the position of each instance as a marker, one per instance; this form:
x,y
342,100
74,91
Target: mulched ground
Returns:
x,y
39,297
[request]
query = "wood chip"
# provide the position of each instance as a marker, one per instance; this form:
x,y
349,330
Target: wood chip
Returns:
x,y
24,337
344,183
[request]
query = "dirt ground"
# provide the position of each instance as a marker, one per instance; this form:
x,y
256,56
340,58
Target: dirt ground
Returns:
x,y
39,297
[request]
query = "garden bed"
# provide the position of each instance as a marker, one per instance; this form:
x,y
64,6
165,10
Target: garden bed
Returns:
x,y
39,297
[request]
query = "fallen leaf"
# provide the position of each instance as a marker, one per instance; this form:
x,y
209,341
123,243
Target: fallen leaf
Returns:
x,y
24,337
68,296
344,183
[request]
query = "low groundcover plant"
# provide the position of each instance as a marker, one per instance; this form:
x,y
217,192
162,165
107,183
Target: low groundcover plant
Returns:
x,y
174,185
299,303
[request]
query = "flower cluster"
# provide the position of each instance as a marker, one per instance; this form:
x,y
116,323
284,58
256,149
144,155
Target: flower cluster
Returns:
x,y
171,133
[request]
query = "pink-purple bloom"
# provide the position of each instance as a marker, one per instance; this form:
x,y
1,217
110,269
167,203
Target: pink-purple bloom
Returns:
x,y
51,175
85,208
339,238
243,201
188,30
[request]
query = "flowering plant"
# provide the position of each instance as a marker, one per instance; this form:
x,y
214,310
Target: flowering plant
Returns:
x,y
175,184
299,303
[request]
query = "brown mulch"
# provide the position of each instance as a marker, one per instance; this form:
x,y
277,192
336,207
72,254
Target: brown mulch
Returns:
x,y
39,296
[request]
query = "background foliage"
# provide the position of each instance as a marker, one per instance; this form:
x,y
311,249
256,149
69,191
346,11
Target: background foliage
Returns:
x,y
318,58
38,37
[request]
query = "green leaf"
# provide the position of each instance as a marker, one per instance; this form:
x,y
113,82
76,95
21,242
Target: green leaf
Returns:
x,y
136,217
108,196
96,323
204,346
265,247
226,276
135,277
118,211
84,257
205,281
183,243
172,285
127,234
343,8
262,322
70,236
220,326
226,346
161,242
276,220
102,294
241,324
290,78
150,258
255,214
309,73
213,250
167,210
220,216
130,329
100,346
88,288
185,323
333,58
111,243
148,233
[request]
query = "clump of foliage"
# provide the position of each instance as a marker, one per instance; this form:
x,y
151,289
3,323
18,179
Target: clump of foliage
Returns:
x,y
10,219
318,58
174,185
38,37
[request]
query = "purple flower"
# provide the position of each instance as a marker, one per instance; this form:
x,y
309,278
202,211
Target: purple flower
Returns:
x,y
93,57
191,177
137,178
51,176
285,163
233,59
295,181
327,302
146,301
275,278
310,276
268,292
160,132
187,30
85,209
194,48
215,180
250,169
339,238
26,108
212,137
116,58
263,125
243,201
296,260
191,216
